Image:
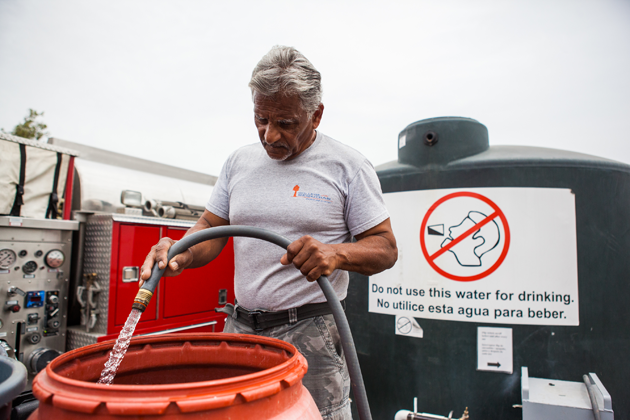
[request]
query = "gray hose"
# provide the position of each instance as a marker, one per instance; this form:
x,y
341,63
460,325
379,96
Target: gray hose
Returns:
x,y
358,388
591,396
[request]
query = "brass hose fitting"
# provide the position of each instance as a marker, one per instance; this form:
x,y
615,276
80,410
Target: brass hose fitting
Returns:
x,y
142,300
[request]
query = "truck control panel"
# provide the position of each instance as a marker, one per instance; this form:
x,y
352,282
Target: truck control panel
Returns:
x,y
34,283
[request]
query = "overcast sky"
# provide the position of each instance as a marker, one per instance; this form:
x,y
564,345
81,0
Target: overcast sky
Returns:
x,y
167,80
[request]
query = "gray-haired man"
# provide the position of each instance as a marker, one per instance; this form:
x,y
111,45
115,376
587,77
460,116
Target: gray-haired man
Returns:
x,y
300,184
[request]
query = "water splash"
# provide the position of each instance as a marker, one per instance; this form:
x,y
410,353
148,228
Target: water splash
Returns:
x,y
117,354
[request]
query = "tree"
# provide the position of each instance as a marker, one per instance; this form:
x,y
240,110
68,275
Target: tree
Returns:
x,y
31,128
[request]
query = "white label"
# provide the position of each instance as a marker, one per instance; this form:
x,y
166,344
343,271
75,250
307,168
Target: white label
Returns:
x,y
29,276
3,334
52,270
494,349
406,325
489,255
31,329
402,141
15,221
5,271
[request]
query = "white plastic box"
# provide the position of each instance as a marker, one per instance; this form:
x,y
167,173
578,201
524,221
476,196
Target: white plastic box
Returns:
x,y
551,399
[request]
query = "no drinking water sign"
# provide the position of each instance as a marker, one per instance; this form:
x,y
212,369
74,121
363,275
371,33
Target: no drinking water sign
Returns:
x,y
492,255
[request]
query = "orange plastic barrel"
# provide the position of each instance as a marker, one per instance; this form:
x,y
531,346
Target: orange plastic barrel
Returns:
x,y
179,376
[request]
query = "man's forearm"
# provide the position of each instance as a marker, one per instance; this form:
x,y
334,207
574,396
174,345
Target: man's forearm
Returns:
x,y
367,256
207,251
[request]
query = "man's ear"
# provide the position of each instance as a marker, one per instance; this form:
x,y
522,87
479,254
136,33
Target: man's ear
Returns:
x,y
317,116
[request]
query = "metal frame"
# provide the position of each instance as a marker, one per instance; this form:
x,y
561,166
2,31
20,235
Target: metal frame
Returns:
x,y
38,144
188,327
125,161
25,222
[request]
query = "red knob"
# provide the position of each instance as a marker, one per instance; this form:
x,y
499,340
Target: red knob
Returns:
x,y
15,308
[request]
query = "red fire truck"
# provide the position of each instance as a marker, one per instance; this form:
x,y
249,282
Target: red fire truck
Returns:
x,y
76,227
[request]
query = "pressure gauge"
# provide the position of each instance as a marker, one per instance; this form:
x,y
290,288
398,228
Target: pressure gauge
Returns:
x,y
55,258
30,267
7,258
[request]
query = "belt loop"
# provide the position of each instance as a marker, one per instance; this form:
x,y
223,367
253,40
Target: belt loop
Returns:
x,y
254,316
293,317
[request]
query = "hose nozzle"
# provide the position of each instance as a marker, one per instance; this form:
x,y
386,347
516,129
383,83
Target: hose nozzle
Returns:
x,y
142,300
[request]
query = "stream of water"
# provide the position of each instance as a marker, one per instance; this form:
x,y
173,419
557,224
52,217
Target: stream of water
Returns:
x,y
117,354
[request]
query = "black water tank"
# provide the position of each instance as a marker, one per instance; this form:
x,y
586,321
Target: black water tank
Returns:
x,y
440,156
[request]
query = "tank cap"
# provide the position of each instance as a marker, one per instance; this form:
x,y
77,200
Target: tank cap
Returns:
x,y
441,140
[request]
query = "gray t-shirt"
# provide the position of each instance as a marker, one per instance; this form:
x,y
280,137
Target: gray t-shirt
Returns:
x,y
330,191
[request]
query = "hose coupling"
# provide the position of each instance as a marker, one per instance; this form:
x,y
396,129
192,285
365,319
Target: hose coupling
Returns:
x,y
142,300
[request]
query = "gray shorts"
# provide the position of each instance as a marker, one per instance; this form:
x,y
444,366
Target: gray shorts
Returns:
x,y
318,340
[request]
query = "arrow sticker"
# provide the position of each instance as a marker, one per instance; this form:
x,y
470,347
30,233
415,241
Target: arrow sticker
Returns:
x,y
494,349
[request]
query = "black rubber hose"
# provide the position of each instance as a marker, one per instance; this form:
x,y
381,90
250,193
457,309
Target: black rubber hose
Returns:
x,y
350,352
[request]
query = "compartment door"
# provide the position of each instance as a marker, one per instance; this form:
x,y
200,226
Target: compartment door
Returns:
x,y
198,290
134,243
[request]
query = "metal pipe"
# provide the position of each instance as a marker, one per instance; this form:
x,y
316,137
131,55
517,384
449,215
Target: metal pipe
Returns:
x,y
150,205
146,292
412,415
169,212
156,204
187,327
178,204
78,280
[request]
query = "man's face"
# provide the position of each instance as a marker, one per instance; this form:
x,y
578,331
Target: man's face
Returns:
x,y
283,126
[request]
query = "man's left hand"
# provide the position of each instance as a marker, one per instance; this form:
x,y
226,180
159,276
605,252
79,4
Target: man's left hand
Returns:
x,y
313,258
374,251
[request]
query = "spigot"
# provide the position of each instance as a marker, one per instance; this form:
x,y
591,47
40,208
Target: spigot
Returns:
x,y
465,415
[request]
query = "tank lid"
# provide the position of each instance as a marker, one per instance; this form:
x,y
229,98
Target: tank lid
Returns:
x,y
441,140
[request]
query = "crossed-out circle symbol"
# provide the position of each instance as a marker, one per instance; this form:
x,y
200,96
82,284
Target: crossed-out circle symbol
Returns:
x,y
497,213
404,325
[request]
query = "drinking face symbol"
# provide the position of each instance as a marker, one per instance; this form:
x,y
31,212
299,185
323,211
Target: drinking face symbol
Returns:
x,y
469,251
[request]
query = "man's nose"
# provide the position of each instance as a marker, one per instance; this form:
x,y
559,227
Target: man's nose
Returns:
x,y
272,134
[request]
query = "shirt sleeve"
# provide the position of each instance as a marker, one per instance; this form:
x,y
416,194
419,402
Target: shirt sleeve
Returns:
x,y
365,207
219,202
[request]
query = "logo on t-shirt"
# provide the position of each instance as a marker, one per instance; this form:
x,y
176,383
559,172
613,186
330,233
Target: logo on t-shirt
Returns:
x,y
310,196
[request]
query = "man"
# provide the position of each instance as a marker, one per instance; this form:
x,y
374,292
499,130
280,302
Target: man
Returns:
x,y
300,184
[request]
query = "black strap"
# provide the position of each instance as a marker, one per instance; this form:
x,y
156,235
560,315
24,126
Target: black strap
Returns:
x,y
261,320
19,188
52,212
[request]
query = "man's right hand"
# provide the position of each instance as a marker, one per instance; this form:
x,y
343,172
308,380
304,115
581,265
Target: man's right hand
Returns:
x,y
159,253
